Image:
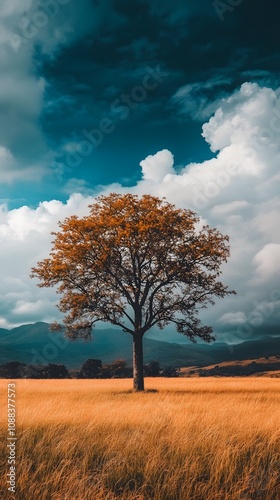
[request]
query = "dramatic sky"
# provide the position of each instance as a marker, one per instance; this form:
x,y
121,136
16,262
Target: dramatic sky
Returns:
x,y
173,98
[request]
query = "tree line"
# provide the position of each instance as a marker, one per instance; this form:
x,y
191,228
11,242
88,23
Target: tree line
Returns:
x,y
90,369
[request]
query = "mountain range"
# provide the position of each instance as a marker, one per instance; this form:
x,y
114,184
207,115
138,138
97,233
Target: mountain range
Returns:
x,y
35,344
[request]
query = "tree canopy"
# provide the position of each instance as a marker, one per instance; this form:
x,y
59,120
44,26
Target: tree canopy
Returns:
x,y
135,263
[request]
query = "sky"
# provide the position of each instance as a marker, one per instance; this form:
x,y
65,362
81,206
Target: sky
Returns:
x,y
172,98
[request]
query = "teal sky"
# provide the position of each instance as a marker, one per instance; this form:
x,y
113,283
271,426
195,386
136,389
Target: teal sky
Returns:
x,y
173,98
70,65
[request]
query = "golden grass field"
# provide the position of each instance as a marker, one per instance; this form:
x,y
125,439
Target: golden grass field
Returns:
x,y
193,439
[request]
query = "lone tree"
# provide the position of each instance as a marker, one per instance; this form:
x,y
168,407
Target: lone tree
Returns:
x,y
135,263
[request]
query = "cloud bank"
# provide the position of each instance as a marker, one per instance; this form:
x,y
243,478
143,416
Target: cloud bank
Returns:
x,y
236,191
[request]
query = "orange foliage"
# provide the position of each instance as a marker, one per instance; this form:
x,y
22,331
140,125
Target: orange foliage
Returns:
x,y
139,252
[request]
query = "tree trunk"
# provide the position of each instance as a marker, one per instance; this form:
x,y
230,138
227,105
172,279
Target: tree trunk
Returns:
x,y
138,371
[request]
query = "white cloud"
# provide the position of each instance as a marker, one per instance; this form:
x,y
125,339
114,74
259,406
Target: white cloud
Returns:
x,y
227,208
266,221
156,167
268,260
17,224
25,238
25,308
74,185
236,318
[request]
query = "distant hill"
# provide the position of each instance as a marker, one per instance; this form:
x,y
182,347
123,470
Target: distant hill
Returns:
x,y
268,366
35,344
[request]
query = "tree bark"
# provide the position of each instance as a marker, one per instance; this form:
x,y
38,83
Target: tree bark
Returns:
x,y
138,370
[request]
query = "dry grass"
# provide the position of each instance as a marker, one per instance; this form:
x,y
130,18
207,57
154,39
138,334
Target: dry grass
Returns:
x,y
194,439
